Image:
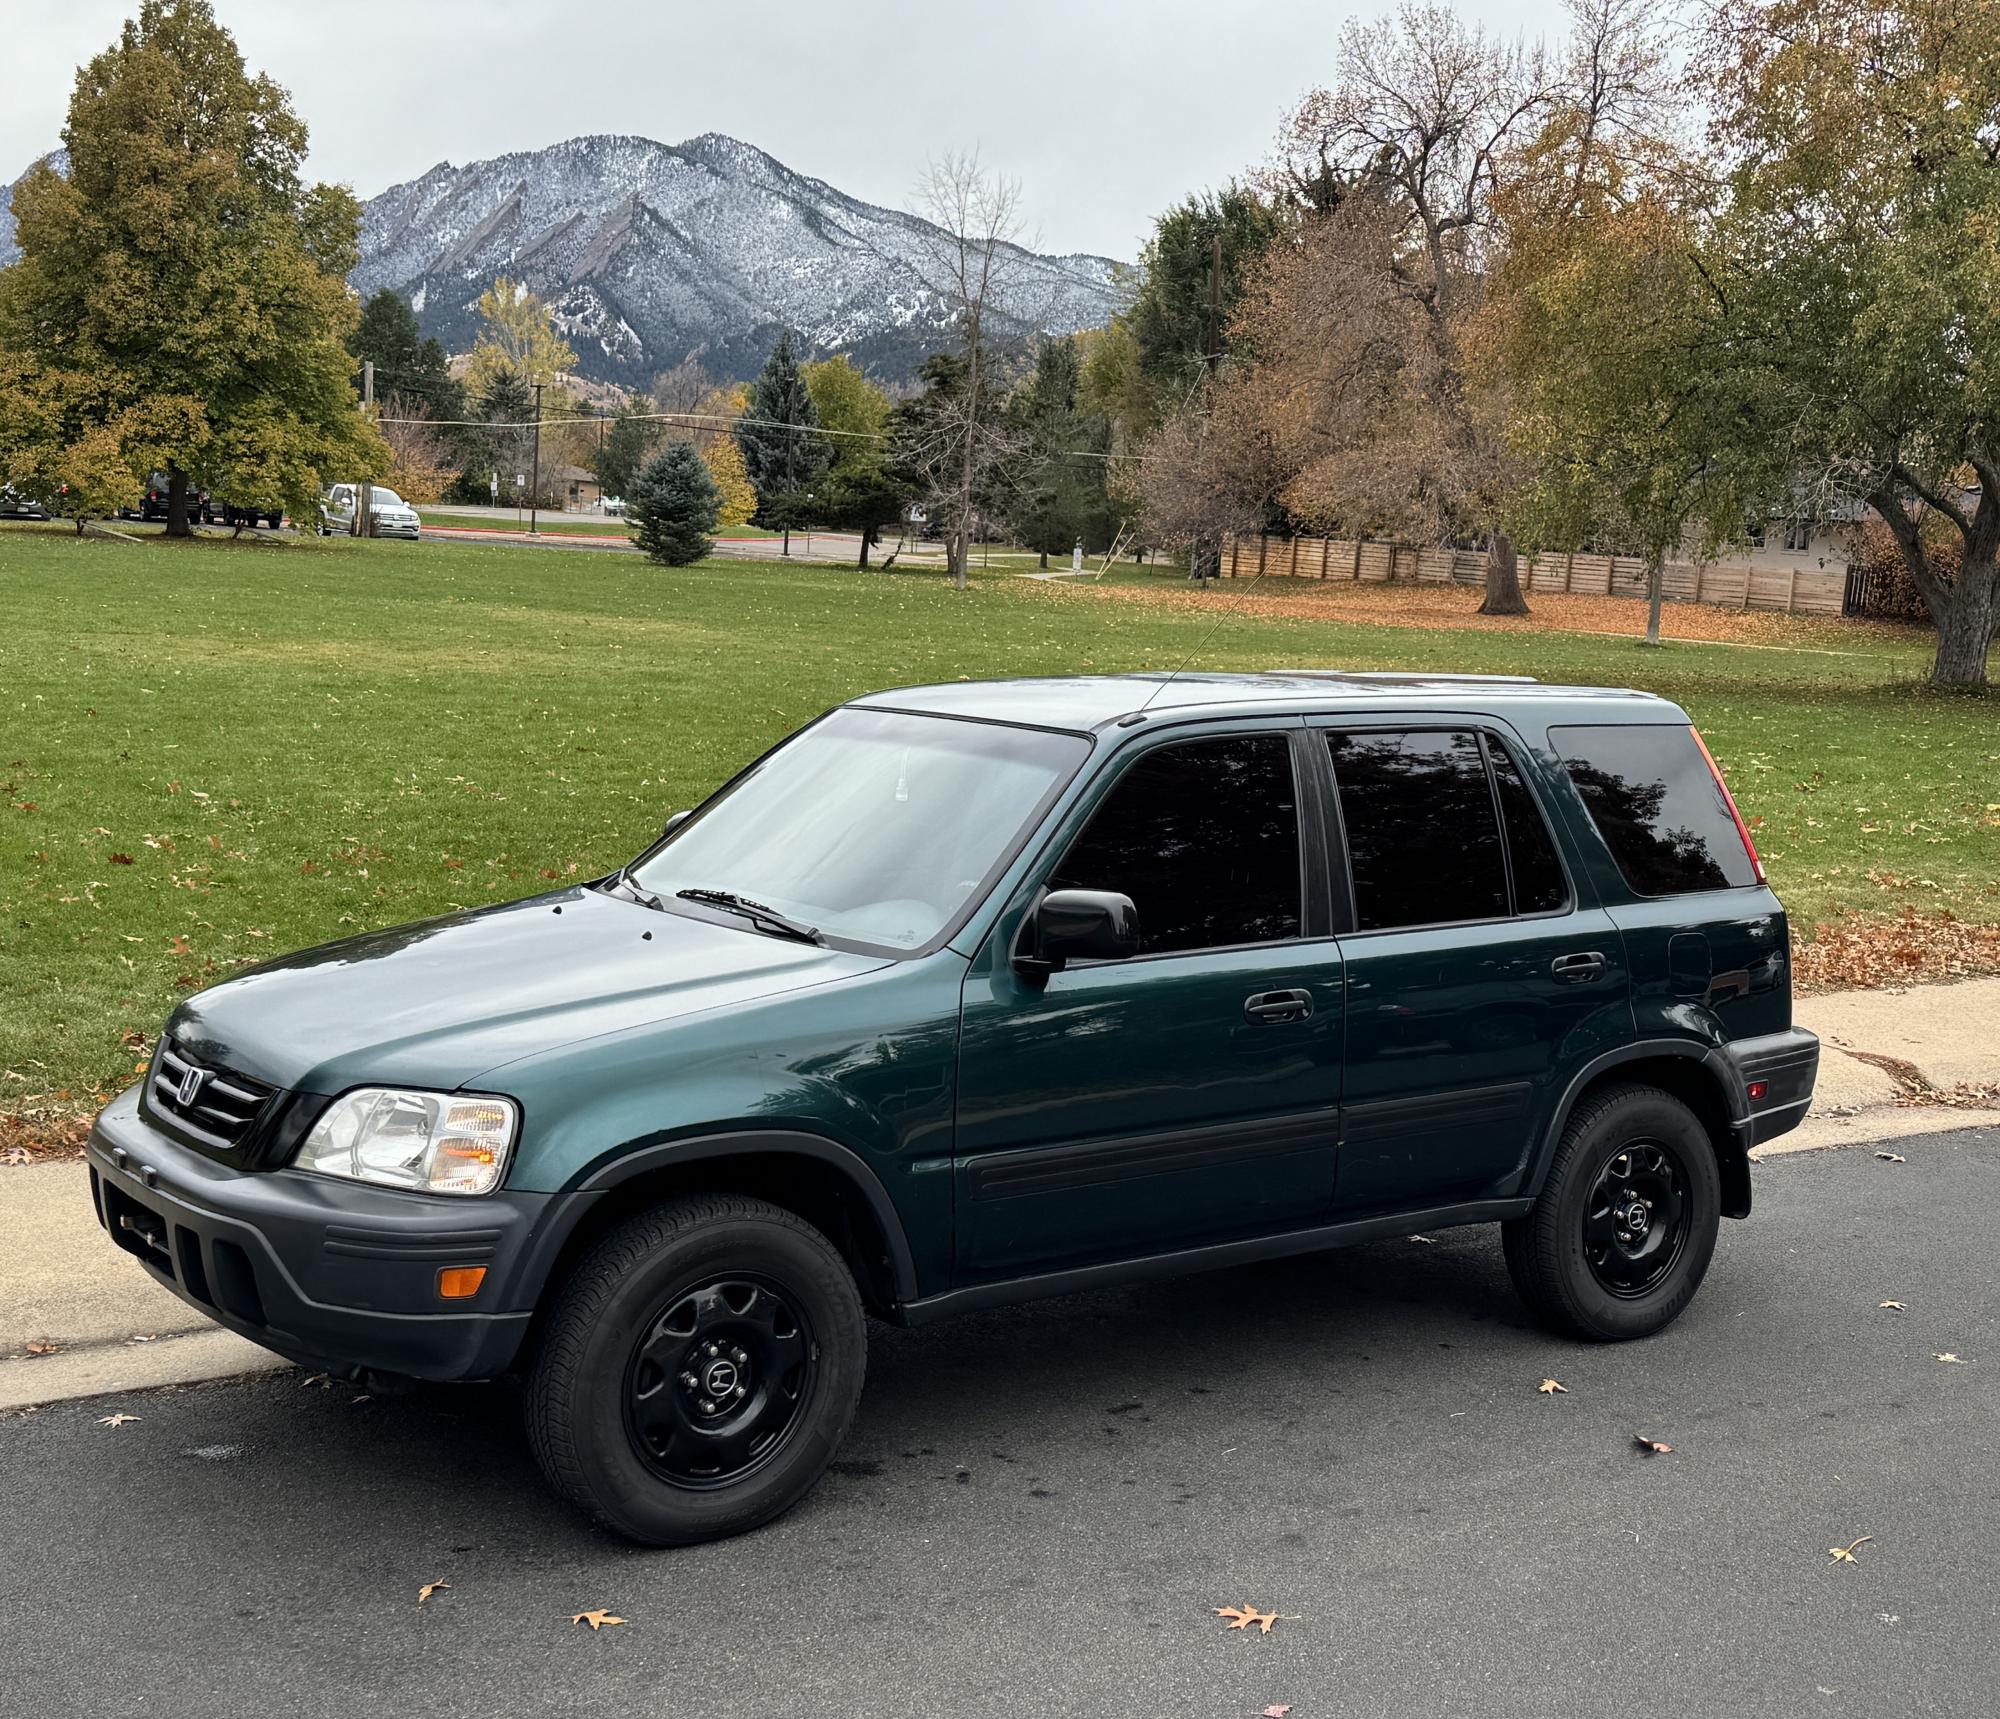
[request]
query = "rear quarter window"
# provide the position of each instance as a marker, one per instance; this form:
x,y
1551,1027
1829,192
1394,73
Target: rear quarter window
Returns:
x,y
1658,807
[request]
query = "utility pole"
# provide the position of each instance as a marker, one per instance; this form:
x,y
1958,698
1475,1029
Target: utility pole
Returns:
x,y
364,499
1214,302
535,489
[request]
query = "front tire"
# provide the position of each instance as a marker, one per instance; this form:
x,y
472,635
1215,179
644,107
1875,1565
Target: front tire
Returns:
x,y
698,1370
1623,1232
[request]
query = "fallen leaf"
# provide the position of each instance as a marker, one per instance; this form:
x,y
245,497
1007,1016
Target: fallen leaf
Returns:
x,y
1950,1358
120,859
1242,1617
1427,1240
1651,1446
1899,1306
1845,1554
364,1397
116,1420
1277,1710
39,1347
1892,1157
430,1588
319,1379
596,1619
1549,1387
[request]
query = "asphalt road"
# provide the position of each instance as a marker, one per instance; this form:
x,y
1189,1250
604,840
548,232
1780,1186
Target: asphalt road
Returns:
x,y
1039,1507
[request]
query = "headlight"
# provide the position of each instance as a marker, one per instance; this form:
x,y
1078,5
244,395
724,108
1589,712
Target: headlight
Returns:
x,y
433,1142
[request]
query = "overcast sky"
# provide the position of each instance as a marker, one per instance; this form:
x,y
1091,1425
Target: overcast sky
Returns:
x,y
1107,111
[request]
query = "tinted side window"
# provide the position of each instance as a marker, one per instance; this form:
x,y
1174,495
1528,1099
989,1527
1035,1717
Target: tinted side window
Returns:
x,y
1539,884
1659,810
1423,845
1204,837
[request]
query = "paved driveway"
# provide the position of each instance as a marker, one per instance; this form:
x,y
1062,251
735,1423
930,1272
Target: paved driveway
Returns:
x,y
1039,1507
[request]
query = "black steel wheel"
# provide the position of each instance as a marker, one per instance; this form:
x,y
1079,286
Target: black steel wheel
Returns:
x,y
1636,1220
717,1382
697,1370
1624,1227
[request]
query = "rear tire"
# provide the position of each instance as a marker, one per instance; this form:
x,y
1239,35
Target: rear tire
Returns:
x,y
1622,1234
698,1370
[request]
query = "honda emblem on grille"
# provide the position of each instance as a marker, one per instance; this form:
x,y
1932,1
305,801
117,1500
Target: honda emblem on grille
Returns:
x,y
190,1087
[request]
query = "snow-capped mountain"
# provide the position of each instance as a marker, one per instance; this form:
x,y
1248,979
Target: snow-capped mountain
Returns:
x,y
650,253
56,158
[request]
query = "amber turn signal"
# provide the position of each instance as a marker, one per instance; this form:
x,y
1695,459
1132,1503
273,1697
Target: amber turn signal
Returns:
x,y
456,1282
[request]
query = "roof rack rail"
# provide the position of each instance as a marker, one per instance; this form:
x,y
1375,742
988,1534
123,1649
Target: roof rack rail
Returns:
x,y
1407,674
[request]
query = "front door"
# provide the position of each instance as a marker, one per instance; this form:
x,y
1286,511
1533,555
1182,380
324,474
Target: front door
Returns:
x,y
1477,981
1120,1108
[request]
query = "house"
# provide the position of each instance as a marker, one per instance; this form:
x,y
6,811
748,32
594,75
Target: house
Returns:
x,y
579,486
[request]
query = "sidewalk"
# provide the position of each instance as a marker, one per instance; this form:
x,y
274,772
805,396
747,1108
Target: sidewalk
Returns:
x,y
1893,1064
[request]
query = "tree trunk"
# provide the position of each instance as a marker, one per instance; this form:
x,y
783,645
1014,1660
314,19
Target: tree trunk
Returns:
x,y
177,503
788,540
1503,578
1045,560
867,537
1968,621
1656,581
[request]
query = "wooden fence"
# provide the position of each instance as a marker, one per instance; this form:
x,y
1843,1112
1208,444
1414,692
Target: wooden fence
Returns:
x,y
1735,583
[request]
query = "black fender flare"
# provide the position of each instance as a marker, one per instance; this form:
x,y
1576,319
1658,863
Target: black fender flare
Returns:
x,y
1732,1153
608,1173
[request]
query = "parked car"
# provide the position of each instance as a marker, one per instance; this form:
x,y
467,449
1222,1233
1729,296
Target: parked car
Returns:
x,y
153,504
973,993
15,505
394,517
226,513
612,504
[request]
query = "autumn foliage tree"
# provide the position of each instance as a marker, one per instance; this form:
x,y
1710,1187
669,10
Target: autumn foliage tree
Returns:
x,y
180,301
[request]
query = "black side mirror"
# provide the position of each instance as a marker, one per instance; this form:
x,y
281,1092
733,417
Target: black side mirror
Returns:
x,y
1078,925
674,822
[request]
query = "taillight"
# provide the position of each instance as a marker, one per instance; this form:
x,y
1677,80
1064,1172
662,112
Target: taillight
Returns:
x,y
1729,800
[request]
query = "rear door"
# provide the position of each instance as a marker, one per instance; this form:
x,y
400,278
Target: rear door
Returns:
x,y
1121,1108
1479,978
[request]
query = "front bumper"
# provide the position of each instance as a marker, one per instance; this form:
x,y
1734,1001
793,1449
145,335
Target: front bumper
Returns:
x,y
334,1274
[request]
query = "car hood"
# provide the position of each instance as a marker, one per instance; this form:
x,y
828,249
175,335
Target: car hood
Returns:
x,y
440,1002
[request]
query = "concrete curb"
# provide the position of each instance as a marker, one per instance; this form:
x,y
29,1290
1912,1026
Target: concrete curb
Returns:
x,y
101,1368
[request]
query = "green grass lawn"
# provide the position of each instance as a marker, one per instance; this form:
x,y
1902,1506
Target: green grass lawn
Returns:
x,y
212,752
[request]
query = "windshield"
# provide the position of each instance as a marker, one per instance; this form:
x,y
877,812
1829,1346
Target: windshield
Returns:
x,y
383,496
870,825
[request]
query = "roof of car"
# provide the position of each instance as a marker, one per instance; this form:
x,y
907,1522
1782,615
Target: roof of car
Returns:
x,y
1087,702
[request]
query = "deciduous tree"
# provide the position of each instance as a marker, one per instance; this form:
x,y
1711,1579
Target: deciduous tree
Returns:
x,y
517,333
180,299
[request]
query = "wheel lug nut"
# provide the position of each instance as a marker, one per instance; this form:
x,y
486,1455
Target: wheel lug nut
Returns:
x,y
708,1405
689,1380
715,1348
739,1355
738,1391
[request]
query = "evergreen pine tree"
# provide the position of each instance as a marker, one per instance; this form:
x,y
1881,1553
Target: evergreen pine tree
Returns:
x,y
627,444
673,505
783,453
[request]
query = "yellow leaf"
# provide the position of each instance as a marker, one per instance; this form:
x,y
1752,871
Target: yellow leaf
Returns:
x,y
430,1588
1549,1387
1845,1554
596,1619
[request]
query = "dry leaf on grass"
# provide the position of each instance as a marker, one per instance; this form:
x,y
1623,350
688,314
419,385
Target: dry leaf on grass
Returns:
x,y
430,1588
597,1619
1549,1387
116,1420
1845,1554
1651,1446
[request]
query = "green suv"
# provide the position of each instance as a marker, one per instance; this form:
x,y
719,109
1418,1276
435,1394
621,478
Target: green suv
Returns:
x,y
968,994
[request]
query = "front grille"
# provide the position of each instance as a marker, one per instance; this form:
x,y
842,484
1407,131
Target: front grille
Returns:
x,y
215,1102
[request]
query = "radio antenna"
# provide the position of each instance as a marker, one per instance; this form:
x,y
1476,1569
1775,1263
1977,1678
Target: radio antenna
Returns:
x,y
1200,645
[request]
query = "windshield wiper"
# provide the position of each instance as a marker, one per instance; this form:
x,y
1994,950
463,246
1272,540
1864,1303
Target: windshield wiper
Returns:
x,y
623,882
767,918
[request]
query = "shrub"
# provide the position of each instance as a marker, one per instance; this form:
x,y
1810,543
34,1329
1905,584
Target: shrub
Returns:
x,y
1889,593
674,506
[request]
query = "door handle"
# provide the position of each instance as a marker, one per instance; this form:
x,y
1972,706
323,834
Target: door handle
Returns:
x,y
1267,1007
1578,969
